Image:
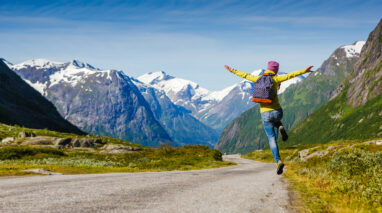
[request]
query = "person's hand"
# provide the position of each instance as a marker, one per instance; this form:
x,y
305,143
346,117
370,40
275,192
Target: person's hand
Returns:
x,y
308,69
228,68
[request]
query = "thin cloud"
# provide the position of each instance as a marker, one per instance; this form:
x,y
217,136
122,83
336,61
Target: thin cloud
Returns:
x,y
326,21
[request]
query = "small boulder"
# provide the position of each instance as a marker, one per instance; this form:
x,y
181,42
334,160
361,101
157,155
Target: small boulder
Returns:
x,y
303,153
7,140
118,149
26,135
42,171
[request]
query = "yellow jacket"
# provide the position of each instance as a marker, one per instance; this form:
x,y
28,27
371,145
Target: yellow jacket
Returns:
x,y
277,79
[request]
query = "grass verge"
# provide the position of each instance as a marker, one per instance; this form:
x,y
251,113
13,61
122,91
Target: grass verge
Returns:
x,y
347,179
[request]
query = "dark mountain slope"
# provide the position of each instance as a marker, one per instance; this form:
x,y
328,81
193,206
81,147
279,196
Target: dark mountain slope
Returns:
x,y
22,105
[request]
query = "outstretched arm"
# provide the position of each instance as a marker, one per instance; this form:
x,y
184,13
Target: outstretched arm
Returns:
x,y
245,75
288,76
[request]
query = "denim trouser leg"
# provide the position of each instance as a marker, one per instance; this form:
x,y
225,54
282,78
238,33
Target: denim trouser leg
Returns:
x,y
272,122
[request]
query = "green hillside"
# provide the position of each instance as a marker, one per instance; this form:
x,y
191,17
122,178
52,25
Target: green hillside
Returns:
x,y
336,120
355,112
246,133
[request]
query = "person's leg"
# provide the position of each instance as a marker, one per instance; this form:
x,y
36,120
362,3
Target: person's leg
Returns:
x,y
270,131
280,126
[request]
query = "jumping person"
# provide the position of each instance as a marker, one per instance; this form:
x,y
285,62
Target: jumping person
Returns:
x,y
270,109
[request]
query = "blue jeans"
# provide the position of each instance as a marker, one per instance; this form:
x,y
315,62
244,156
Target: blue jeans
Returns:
x,y
272,122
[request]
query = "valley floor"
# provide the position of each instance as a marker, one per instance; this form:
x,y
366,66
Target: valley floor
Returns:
x,y
249,186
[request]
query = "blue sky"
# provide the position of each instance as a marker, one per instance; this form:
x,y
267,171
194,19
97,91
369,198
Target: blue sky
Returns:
x,y
188,39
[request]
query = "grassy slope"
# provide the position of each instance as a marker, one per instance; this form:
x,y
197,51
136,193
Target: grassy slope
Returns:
x,y
14,159
348,179
336,121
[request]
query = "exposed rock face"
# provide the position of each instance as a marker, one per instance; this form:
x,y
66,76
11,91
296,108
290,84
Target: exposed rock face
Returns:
x,y
304,155
103,102
22,105
118,149
365,82
246,133
76,142
40,140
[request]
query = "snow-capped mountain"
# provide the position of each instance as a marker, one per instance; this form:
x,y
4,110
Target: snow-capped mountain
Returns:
x,y
104,102
182,127
182,92
343,57
353,50
214,108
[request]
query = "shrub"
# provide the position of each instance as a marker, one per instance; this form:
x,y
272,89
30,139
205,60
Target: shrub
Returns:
x,y
358,173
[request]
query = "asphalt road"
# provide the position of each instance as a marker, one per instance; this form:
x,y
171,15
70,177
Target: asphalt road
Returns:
x,y
247,187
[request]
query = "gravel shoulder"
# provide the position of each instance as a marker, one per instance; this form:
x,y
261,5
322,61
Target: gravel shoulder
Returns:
x,y
249,186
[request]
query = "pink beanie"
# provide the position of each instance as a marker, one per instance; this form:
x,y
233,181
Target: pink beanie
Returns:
x,y
273,66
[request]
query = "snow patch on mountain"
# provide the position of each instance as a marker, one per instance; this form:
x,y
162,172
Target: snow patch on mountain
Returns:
x,y
353,49
40,63
219,95
71,72
170,84
40,87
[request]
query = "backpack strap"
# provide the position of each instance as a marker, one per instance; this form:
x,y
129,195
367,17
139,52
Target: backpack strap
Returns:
x,y
268,74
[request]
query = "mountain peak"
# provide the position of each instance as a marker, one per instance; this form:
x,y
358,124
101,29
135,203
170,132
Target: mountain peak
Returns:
x,y
154,77
353,49
40,62
6,62
80,64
